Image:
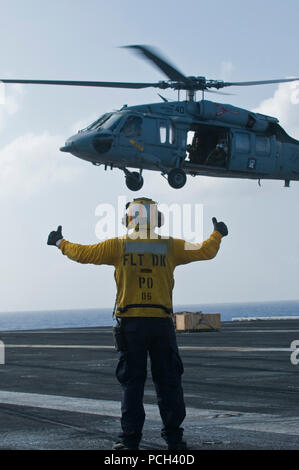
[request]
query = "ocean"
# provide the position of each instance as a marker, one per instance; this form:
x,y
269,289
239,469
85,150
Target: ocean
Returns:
x,y
78,318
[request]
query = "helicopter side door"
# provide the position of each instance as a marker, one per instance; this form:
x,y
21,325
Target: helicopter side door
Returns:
x,y
130,138
252,153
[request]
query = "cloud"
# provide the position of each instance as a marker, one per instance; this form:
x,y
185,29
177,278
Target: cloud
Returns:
x,y
284,104
9,102
31,162
227,69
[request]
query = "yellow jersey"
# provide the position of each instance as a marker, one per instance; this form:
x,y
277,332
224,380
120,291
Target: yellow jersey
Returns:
x,y
143,268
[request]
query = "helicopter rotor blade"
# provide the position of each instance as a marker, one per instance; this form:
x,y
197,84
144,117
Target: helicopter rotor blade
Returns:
x,y
171,72
259,82
87,83
219,92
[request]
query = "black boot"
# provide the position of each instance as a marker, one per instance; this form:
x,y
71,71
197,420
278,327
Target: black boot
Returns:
x,y
174,438
181,445
119,445
127,442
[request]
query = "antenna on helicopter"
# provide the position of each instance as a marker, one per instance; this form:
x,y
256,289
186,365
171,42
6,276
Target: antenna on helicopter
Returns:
x,y
163,98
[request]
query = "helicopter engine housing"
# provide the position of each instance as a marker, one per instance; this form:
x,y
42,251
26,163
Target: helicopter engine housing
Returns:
x,y
226,113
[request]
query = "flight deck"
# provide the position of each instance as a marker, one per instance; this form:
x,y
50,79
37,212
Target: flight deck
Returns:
x,y
59,391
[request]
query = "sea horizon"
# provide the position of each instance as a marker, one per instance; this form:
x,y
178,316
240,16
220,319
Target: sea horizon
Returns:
x,y
102,316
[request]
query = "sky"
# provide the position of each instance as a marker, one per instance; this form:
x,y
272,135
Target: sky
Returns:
x,y
41,187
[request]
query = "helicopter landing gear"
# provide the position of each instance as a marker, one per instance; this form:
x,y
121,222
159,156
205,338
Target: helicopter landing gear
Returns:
x,y
134,180
177,178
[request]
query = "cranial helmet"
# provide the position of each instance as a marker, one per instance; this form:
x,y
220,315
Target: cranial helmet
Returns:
x,y
142,212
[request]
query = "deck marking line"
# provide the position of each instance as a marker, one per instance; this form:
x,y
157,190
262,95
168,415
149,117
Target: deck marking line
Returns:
x,y
185,348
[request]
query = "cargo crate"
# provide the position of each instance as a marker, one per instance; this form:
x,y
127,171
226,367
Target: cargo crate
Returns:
x,y
197,321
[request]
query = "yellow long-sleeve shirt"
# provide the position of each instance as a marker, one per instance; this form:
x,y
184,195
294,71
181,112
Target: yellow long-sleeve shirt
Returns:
x,y
143,268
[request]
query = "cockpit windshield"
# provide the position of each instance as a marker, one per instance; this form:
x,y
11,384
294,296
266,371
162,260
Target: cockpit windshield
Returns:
x,y
98,122
112,121
106,121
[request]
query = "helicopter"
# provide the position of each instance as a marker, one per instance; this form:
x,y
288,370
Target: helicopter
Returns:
x,y
228,142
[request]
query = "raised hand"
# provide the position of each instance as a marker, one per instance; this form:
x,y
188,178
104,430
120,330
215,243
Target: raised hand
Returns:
x,y
55,236
220,227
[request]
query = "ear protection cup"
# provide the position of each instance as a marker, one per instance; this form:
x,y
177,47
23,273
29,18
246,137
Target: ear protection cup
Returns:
x,y
125,220
160,219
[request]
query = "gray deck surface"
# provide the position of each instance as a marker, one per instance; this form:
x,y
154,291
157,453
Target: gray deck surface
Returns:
x,y
58,389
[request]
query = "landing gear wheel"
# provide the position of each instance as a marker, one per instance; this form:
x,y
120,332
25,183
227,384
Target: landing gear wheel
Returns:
x,y
177,178
134,181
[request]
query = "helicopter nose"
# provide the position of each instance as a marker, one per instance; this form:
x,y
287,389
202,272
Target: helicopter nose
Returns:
x,y
87,145
102,143
78,145
66,148
69,145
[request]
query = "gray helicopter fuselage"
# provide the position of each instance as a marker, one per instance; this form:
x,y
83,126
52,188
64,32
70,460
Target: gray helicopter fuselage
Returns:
x,y
255,144
183,137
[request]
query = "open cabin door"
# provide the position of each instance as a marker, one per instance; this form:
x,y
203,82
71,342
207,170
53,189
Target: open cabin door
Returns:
x,y
208,146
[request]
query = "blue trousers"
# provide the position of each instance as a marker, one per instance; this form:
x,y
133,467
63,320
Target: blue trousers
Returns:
x,y
154,337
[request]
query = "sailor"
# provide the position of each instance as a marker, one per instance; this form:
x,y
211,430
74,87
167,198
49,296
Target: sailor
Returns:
x,y
218,156
144,264
196,154
132,126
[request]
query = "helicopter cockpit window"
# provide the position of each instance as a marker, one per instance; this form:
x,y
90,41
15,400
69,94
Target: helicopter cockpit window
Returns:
x,y
163,132
132,126
98,122
112,122
171,134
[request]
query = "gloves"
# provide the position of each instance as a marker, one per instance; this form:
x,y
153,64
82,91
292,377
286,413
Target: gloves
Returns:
x,y
54,237
220,227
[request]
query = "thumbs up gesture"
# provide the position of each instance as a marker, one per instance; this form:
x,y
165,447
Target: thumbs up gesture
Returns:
x,y
220,227
54,237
